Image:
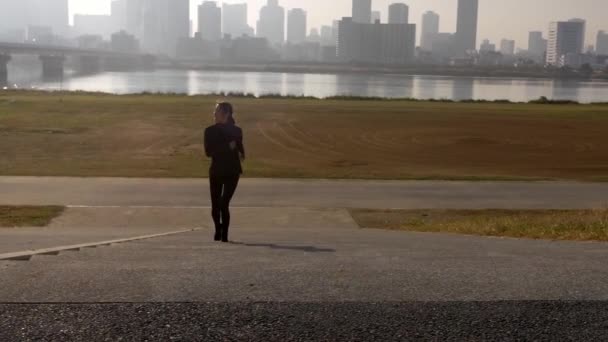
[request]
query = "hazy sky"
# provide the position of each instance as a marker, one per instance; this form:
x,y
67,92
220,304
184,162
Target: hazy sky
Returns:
x,y
497,18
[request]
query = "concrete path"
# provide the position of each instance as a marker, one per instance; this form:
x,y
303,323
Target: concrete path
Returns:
x,y
305,193
299,270
88,225
308,255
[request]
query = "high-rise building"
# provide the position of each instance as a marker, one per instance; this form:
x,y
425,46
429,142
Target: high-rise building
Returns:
x,y
119,15
165,23
94,24
565,37
362,11
124,42
335,30
398,13
376,17
327,36
443,46
49,13
430,29
487,46
234,20
296,26
537,45
376,43
507,47
466,28
271,24
210,21
135,18
314,36
601,46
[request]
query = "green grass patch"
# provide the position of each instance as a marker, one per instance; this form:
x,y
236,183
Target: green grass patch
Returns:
x,y
577,225
28,216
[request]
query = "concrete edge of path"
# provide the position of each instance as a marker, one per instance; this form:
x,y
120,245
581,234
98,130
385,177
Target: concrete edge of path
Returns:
x,y
27,255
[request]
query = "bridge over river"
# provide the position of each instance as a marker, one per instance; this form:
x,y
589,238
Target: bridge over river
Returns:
x,y
53,59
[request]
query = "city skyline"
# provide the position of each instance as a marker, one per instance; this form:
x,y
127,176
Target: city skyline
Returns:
x,y
494,16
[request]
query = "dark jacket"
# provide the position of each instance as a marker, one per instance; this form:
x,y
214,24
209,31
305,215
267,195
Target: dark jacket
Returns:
x,y
225,161
235,133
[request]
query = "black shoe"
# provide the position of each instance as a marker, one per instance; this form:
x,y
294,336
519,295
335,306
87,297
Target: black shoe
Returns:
x,y
224,234
218,236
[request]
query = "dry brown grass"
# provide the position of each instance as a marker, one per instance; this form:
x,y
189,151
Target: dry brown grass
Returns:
x,y
161,136
580,225
28,216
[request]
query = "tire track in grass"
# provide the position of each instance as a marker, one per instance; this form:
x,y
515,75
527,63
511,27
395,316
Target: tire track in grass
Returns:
x,y
316,140
283,146
305,145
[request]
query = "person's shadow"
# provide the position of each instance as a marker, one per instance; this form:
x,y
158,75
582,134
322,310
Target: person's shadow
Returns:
x,y
308,249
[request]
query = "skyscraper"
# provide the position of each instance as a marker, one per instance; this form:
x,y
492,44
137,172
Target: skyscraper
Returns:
x,y
271,24
234,20
135,18
362,11
327,35
398,13
296,26
466,28
601,46
537,45
430,29
487,46
119,15
49,13
565,37
376,43
165,23
210,21
507,47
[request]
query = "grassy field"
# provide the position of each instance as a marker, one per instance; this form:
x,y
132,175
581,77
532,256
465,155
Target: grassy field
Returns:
x,y
579,225
28,216
161,136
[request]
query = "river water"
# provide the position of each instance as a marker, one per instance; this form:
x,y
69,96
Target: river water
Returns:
x,y
322,85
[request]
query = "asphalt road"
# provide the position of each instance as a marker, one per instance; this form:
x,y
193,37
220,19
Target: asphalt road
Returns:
x,y
286,256
306,193
299,270
430,321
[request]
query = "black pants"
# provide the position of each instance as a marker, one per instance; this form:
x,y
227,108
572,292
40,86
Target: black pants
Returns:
x,y
222,190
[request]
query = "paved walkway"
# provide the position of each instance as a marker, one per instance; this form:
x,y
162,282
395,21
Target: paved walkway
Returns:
x,y
300,268
305,193
309,255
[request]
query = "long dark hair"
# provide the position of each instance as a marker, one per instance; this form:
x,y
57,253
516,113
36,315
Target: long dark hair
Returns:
x,y
226,107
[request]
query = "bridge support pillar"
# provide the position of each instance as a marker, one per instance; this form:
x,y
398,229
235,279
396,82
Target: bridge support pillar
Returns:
x,y
4,59
52,66
89,64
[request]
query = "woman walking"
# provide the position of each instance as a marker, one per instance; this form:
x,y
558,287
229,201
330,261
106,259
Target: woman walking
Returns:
x,y
224,145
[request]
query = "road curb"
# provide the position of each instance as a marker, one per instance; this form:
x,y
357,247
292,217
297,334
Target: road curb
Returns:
x,y
54,251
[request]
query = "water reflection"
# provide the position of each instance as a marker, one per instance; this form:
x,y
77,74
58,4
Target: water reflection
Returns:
x,y
463,89
318,85
565,90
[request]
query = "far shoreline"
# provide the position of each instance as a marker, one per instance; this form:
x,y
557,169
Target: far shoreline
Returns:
x,y
270,96
420,70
